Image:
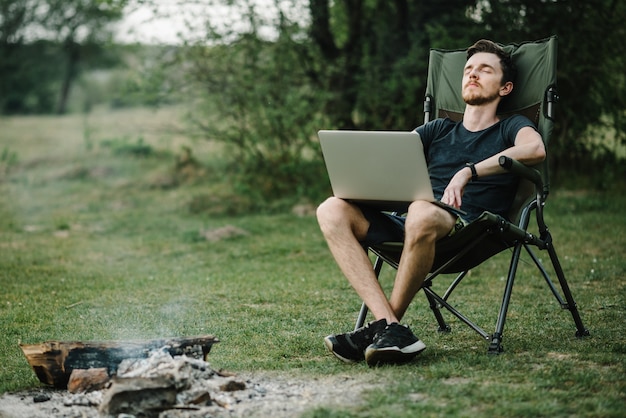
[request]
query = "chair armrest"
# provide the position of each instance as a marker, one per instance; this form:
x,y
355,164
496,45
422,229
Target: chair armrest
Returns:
x,y
522,170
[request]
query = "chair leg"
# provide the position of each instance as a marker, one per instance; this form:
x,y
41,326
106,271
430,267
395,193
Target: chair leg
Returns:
x,y
545,275
495,347
581,331
443,303
496,340
569,302
434,306
360,320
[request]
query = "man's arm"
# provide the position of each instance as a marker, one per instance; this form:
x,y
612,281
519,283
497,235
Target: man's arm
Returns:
x,y
528,149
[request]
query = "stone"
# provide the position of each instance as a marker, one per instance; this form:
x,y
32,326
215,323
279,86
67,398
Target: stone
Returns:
x,y
146,397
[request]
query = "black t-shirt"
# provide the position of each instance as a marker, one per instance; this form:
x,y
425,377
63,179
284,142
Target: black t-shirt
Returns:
x,y
448,147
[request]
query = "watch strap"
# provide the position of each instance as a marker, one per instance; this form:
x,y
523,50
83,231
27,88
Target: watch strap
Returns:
x,y
472,167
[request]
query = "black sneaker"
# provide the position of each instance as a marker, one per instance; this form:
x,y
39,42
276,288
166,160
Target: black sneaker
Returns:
x,y
396,344
350,347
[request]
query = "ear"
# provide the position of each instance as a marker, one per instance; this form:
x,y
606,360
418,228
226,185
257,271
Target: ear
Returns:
x,y
506,89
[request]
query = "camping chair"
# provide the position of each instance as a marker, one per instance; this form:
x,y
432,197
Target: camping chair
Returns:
x,y
534,96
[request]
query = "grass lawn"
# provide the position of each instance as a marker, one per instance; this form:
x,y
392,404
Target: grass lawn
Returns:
x,y
102,238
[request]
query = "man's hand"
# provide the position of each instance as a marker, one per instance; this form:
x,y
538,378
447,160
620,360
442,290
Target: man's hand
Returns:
x,y
453,195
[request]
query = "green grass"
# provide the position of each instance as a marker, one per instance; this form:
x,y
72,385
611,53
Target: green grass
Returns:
x,y
93,246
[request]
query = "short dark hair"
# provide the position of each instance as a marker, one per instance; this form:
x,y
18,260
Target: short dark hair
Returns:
x,y
509,72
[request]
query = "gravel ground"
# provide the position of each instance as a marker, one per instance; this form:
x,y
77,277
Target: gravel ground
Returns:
x,y
265,394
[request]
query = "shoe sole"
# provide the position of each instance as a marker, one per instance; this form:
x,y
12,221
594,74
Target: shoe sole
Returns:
x,y
393,355
330,345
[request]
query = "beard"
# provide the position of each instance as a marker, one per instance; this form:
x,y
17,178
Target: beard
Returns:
x,y
477,99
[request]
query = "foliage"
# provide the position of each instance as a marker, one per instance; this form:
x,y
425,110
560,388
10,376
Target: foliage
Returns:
x,y
16,72
267,98
375,57
255,97
66,20
73,33
144,79
591,77
15,17
27,86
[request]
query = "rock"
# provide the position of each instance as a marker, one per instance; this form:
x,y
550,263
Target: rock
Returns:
x,y
138,396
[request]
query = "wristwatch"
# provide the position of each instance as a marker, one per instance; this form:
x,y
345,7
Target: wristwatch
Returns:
x,y
472,167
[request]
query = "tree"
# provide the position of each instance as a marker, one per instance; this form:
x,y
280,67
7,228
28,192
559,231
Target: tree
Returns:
x,y
78,26
356,64
376,56
34,34
15,16
591,78
254,95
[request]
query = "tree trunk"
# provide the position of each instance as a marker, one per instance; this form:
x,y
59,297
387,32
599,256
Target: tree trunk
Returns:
x,y
72,53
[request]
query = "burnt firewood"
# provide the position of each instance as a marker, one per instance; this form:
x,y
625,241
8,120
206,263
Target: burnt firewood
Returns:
x,y
53,361
87,380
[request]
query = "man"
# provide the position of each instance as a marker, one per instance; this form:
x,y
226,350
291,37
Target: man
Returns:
x,y
465,174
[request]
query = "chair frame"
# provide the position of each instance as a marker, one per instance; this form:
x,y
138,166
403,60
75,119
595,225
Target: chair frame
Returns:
x,y
492,229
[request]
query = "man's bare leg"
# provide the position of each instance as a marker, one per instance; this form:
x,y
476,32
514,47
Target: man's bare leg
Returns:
x,y
343,226
425,224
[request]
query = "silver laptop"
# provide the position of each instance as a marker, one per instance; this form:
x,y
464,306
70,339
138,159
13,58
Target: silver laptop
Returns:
x,y
380,168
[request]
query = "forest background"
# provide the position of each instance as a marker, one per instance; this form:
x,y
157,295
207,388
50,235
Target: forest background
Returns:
x,y
261,77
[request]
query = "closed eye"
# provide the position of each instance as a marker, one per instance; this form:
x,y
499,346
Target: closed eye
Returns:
x,y
486,69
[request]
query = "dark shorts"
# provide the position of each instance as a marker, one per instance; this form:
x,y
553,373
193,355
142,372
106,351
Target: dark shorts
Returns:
x,y
387,227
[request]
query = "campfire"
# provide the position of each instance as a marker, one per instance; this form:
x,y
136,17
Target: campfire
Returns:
x,y
139,378
54,361
166,378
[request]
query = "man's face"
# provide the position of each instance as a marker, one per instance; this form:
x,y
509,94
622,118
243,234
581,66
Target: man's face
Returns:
x,y
482,79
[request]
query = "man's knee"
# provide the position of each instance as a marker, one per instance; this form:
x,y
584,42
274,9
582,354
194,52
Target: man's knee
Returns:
x,y
421,211
335,215
331,211
327,208
422,221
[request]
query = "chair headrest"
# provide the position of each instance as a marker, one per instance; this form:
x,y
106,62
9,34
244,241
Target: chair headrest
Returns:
x,y
536,64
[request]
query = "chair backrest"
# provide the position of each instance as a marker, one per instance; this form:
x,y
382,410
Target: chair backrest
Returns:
x,y
534,94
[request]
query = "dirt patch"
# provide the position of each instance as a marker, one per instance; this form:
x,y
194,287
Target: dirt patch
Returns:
x,y
265,394
223,233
